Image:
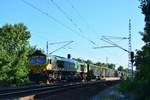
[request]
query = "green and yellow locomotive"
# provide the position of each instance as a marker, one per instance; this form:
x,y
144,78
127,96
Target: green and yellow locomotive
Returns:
x,y
52,68
39,66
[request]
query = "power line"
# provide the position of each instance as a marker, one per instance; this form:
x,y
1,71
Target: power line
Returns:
x,y
115,38
104,47
81,17
73,7
57,21
112,37
114,44
66,15
71,20
53,43
62,47
47,14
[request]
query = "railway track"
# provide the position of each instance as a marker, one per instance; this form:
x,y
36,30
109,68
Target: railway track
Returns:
x,y
43,89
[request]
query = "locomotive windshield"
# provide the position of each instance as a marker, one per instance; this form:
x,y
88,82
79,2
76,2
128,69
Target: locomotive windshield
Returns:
x,y
32,61
40,60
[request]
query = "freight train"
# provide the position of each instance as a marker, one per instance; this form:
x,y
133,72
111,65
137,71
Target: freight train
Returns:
x,y
49,69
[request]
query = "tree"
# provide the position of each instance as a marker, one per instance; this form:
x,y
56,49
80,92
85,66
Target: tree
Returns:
x,y
126,70
140,86
78,59
98,63
112,66
145,6
142,57
88,61
14,51
120,68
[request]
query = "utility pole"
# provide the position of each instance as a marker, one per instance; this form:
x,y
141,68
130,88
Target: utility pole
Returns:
x,y
47,47
107,60
131,54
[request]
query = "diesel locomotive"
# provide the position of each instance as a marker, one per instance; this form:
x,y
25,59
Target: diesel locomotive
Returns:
x,y
49,69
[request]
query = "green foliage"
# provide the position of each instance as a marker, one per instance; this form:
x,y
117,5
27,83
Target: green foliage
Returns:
x,y
145,6
140,86
120,68
101,64
142,62
14,51
88,61
78,59
139,89
112,66
142,58
127,86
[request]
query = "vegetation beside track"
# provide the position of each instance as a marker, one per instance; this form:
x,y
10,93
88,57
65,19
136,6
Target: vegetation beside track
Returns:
x,y
14,51
139,87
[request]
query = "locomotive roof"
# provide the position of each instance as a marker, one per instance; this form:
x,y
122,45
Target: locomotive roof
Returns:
x,y
66,59
38,53
62,58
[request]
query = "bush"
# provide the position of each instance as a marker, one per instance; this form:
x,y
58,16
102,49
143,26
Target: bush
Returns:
x,y
127,86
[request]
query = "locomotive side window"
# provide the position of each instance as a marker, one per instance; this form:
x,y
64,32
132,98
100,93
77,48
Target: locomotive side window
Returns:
x,y
60,63
50,61
82,68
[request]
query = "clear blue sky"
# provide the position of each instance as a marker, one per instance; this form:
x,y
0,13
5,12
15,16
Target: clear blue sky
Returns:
x,y
104,17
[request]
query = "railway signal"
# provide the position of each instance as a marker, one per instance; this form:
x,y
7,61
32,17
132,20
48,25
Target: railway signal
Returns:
x,y
132,56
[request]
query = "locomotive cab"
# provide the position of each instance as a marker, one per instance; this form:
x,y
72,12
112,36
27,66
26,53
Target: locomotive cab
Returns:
x,y
37,61
38,65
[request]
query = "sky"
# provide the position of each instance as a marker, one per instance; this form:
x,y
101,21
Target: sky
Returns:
x,y
81,21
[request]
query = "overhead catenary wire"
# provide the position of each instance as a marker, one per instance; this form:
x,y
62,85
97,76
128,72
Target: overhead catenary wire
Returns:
x,y
103,47
80,16
66,15
71,20
113,44
48,15
61,47
56,20
115,38
53,43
